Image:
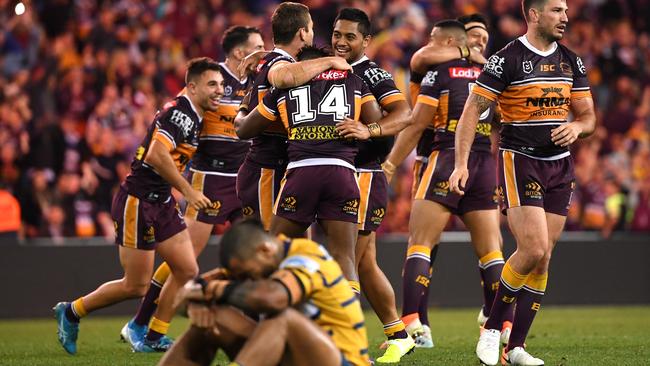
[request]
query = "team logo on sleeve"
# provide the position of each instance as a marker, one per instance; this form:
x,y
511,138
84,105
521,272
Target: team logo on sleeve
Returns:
x,y
430,78
581,66
494,65
527,66
375,75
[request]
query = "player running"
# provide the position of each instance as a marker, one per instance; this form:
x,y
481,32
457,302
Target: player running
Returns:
x,y
145,213
536,82
280,273
214,172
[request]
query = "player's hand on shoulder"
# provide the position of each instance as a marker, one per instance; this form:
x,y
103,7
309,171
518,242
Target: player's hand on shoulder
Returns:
x,y
339,63
477,57
249,63
349,128
458,180
564,135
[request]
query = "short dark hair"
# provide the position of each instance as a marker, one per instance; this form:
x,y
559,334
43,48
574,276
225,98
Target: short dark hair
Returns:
x,y
287,19
357,16
236,36
199,65
454,27
473,18
312,52
527,4
240,241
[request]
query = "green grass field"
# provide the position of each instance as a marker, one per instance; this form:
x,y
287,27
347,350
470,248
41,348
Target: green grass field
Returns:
x,y
561,336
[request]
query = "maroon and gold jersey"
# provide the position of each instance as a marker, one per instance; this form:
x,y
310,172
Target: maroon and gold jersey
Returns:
x,y
381,84
534,90
220,150
424,146
177,127
447,87
269,150
310,113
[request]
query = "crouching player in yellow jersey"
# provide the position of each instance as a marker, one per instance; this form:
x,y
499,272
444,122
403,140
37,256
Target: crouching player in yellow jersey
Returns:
x,y
311,313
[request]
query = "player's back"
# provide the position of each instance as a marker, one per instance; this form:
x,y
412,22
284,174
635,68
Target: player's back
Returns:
x,y
219,147
534,91
269,150
310,113
330,301
447,87
177,127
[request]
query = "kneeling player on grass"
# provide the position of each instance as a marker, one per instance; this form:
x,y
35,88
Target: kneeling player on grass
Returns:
x,y
270,276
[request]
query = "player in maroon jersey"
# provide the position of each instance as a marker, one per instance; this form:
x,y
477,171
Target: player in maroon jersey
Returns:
x,y
536,82
146,216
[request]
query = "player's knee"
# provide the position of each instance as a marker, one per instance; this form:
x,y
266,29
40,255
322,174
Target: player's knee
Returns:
x,y
136,288
186,272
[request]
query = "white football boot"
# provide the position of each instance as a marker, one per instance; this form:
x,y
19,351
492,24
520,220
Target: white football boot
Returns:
x,y
487,348
518,356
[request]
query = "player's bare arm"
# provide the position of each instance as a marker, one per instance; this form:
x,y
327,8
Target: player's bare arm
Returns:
x,y
430,55
290,74
349,128
251,125
583,125
161,160
465,133
409,137
248,63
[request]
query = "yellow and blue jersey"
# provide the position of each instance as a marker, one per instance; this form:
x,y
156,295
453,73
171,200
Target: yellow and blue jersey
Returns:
x,y
325,297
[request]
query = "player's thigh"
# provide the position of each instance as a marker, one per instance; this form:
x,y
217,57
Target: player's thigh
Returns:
x,y
529,227
137,265
195,347
292,229
483,226
199,234
428,220
341,235
308,342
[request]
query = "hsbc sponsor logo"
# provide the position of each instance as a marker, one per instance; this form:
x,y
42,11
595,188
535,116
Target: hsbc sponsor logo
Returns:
x,y
332,75
464,72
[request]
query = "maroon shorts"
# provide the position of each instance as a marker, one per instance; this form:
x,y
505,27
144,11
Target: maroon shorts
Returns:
x,y
419,166
481,188
257,189
221,190
326,192
141,224
373,188
524,181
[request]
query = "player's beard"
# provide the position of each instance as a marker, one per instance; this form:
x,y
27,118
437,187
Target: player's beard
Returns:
x,y
548,35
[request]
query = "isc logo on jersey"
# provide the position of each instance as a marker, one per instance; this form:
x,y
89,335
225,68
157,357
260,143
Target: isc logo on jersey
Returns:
x,y
464,72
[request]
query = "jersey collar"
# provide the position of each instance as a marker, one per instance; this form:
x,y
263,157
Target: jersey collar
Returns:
x,y
192,105
225,67
362,59
524,40
284,53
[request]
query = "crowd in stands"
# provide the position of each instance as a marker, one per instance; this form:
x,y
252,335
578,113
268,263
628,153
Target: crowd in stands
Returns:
x,y
80,81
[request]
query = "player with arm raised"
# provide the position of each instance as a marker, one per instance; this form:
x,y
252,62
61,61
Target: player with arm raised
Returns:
x,y
258,179
536,82
146,216
213,169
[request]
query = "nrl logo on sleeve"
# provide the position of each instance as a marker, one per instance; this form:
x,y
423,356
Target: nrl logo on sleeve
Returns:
x,y
527,66
581,66
494,65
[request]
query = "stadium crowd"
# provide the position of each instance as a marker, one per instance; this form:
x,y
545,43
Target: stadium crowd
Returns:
x,y
81,80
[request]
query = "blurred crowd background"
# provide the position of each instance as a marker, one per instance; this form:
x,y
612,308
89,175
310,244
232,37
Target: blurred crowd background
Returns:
x,y
80,81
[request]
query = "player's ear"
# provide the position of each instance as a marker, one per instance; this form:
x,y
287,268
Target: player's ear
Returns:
x,y
366,40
